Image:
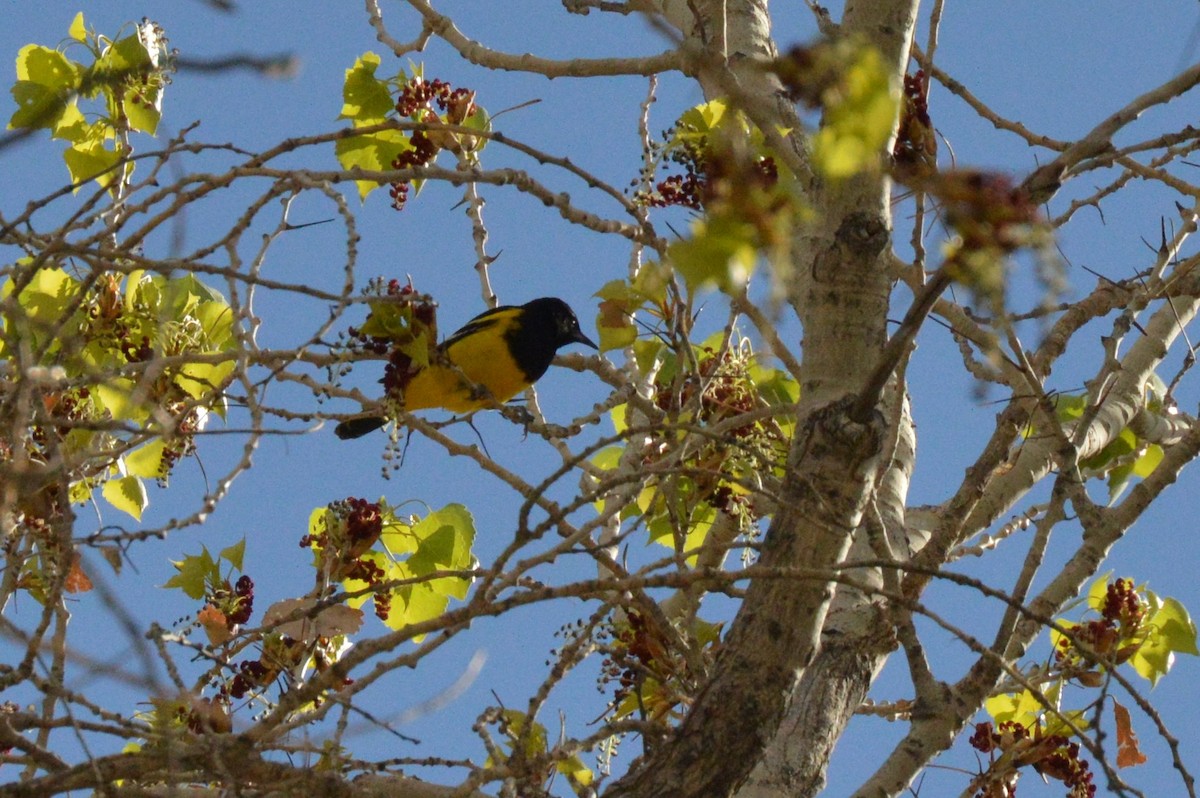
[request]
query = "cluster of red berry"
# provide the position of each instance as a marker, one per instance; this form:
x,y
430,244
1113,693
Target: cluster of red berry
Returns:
x,y
414,103
725,392
701,180
68,407
238,604
278,654
420,313
1051,755
1114,637
914,154
987,211
418,93
634,652
182,443
351,528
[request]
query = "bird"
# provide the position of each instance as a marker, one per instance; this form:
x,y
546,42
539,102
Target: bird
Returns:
x,y
491,359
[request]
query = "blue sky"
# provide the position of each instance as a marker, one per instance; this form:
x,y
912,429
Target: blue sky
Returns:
x,y
1057,67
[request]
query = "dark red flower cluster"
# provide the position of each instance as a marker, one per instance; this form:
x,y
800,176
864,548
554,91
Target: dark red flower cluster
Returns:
x,y
1053,756
352,526
398,371
1115,636
915,153
704,177
416,102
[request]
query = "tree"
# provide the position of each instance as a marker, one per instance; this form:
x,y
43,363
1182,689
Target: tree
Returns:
x,y
767,455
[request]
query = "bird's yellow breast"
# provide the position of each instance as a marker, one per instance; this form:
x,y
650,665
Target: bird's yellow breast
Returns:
x,y
483,358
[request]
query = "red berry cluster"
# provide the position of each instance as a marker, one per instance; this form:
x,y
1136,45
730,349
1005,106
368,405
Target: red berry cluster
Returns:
x,y
688,188
280,654
915,152
915,93
1053,756
67,407
1123,606
182,443
422,313
235,603
418,93
703,178
423,151
987,211
243,591
351,528
1114,637
251,674
724,391
207,714
414,103
634,652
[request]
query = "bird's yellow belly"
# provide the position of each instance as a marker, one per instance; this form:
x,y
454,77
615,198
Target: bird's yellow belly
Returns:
x,y
484,362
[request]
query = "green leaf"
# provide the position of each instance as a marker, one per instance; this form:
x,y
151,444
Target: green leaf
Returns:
x,y
860,112
145,461
202,379
78,31
195,572
607,458
415,604
141,106
376,152
1172,630
365,98
614,322
1148,461
446,537
127,494
80,492
116,396
1022,707
646,353
721,253
45,78
125,56
697,122
216,318
71,125
476,121
1142,466
234,554
92,160
576,772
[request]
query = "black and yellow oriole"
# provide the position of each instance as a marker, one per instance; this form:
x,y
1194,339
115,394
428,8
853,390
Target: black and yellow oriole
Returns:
x,y
494,357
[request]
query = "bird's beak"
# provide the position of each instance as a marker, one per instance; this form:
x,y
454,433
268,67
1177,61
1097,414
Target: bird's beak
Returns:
x,y
579,338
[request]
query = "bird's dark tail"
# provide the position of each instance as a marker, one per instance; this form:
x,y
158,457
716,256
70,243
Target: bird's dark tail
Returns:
x,y
358,427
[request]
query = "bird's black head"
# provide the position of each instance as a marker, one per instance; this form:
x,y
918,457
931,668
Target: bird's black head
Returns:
x,y
556,320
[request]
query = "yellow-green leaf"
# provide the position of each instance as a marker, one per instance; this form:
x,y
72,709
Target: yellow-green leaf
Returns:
x,y
127,494
141,106
78,31
576,772
115,396
45,79
720,253
1171,630
365,98
195,572
860,111
376,152
71,125
91,160
234,554
145,461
